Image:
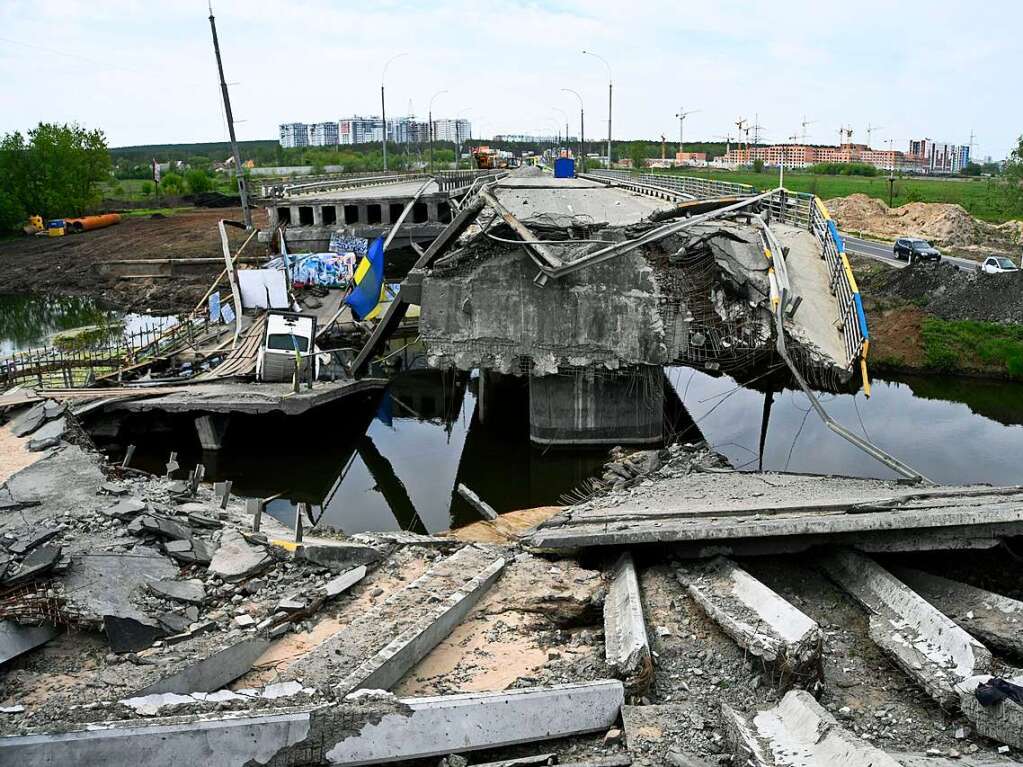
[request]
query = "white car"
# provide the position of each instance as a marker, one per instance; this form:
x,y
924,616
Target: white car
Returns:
x,y
997,265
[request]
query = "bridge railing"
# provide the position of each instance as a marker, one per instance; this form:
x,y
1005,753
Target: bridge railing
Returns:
x,y
689,186
334,184
450,180
853,320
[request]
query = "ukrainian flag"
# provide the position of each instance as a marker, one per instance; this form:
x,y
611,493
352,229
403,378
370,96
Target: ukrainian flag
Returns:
x,y
369,283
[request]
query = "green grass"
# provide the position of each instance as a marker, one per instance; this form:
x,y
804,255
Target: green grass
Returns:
x,y
130,189
151,211
978,346
983,198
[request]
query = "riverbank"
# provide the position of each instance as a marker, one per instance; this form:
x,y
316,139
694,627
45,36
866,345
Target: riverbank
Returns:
x,y
935,319
79,265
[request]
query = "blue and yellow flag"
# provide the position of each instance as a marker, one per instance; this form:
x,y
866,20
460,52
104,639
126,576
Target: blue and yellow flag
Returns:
x,y
369,282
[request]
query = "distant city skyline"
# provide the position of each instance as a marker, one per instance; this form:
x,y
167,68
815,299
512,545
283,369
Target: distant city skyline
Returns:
x,y
145,73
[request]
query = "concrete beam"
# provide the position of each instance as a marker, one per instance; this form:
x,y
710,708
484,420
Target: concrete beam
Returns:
x,y
995,620
924,643
1002,721
213,672
386,667
211,429
374,728
626,646
756,617
798,732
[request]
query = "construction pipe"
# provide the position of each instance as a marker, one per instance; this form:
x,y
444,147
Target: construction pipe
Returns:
x,y
87,223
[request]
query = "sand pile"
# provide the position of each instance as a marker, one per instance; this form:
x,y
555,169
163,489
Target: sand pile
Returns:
x,y
940,223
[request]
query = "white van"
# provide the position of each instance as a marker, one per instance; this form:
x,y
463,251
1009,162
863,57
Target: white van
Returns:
x,y
286,333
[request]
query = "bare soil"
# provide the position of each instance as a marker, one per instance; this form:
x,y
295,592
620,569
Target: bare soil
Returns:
x,y
72,265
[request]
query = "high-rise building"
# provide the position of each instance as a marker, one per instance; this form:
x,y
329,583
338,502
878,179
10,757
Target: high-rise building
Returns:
x,y
939,156
323,134
294,134
455,131
359,130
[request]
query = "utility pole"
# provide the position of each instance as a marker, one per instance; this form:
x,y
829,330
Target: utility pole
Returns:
x,y
383,107
610,91
242,192
891,172
430,118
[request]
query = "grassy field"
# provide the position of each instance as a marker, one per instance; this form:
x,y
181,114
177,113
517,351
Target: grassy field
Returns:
x,y
952,346
983,198
131,189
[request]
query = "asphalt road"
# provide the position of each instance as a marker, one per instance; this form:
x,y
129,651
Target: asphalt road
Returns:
x,y
883,252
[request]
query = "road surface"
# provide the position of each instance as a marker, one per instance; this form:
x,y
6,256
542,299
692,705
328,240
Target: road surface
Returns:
x,y
882,251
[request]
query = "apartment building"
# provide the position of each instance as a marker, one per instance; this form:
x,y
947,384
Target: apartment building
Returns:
x,y
294,134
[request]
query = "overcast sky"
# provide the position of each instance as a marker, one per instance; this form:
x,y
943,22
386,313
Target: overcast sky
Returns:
x,y
144,71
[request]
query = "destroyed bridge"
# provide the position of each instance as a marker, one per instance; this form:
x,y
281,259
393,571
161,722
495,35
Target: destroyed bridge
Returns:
x,y
591,285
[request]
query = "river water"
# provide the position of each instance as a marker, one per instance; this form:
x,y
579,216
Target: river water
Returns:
x,y
394,461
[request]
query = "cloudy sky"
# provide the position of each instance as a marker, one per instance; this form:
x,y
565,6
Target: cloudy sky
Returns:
x,y
144,71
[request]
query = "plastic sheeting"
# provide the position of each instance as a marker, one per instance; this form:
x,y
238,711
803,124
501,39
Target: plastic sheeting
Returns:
x,y
263,289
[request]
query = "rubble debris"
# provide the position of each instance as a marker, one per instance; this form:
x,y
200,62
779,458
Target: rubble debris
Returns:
x,y
995,620
339,555
797,732
485,509
235,559
29,420
924,643
48,435
193,551
658,735
626,647
41,560
34,538
757,618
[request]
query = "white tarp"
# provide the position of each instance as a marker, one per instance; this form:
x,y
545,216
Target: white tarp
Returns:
x,y
255,284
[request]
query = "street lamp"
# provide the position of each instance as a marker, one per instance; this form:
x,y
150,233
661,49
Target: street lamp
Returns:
x,y
383,109
582,129
610,89
430,118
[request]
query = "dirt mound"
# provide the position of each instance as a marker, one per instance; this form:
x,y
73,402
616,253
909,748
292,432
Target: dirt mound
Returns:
x,y
950,294
941,223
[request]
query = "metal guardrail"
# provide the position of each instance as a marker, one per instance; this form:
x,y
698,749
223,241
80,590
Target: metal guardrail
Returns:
x,y
446,181
689,186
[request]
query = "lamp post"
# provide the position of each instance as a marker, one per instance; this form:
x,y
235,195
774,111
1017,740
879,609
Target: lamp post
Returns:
x,y
610,90
430,119
582,129
383,108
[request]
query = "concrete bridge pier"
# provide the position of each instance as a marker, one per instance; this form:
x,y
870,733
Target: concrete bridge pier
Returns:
x,y
598,407
211,429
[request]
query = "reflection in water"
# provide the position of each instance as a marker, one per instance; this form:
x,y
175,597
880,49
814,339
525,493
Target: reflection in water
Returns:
x,y
952,430
28,322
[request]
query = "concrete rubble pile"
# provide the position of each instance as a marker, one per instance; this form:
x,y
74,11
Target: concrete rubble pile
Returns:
x,y
144,618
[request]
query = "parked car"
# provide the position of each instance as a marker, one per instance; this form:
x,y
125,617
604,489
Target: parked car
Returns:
x,y
911,249
997,265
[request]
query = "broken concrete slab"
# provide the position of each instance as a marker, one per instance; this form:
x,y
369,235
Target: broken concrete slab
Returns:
x,y
213,672
191,591
132,633
626,647
340,556
192,552
16,639
374,728
29,420
383,640
962,760
167,528
236,559
29,540
48,435
125,509
345,581
1001,721
923,642
37,563
798,732
995,620
756,617
106,583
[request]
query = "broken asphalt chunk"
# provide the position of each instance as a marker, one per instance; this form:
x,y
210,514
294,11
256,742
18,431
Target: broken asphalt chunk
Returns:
x,y
131,634
191,591
39,562
48,435
28,421
341,556
165,527
125,509
193,552
236,560
29,541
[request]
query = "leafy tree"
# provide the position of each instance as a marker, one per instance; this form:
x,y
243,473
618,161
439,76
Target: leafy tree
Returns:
x,y
198,181
1013,173
172,183
54,173
638,154
758,165
147,189
971,169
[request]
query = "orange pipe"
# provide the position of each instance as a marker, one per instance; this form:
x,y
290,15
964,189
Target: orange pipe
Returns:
x,y
86,223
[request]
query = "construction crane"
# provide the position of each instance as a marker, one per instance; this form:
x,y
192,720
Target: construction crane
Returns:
x,y
757,127
870,131
805,123
848,135
681,116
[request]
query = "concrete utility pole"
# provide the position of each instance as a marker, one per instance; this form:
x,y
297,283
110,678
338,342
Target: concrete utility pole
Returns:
x,y
242,191
383,107
610,92
582,131
430,118
682,115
